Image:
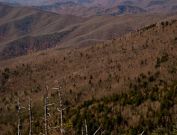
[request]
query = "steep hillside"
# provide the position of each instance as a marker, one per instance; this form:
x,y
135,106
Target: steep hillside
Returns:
x,y
26,30
140,68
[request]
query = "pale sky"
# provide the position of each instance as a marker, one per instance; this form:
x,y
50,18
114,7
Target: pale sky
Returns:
x,y
29,2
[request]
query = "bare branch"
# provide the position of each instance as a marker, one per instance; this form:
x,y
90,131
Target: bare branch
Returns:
x,y
97,131
142,133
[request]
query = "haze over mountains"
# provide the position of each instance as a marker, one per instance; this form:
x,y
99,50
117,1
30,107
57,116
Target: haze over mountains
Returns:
x,y
111,7
24,30
101,7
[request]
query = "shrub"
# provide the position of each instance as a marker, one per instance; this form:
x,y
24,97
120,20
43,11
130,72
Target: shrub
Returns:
x,y
162,59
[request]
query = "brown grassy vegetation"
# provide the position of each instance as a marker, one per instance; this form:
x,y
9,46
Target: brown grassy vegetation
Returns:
x,y
127,85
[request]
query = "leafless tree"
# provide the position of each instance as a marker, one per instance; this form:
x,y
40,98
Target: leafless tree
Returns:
x,y
19,117
86,129
60,108
19,108
82,131
46,115
30,116
46,112
142,133
97,131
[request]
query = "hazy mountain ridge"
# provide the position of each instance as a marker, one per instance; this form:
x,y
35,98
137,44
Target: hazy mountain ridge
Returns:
x,y
99,7
44,30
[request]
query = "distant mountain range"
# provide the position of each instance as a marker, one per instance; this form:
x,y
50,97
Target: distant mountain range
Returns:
x,y
86,9
110,7
100,7
24,29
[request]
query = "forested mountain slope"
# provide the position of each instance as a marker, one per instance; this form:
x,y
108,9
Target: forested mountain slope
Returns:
x,y
126,85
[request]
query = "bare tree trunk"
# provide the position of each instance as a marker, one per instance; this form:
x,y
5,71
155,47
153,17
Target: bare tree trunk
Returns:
x,y
60,109
82,131
142,133
46,112
97,131
86,128
19,118
45,115
30,117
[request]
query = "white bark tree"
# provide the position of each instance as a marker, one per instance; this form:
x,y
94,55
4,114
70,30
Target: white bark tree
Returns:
x,y
142,133
86,129
97,131
82,131
30,116
46,112
19,117
19,108
46,115
60,108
